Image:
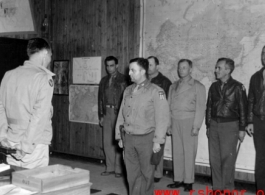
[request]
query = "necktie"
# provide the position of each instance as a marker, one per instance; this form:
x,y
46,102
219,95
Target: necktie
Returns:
x,y
110,80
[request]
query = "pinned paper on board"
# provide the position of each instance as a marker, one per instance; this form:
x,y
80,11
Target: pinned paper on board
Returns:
x,y
86,70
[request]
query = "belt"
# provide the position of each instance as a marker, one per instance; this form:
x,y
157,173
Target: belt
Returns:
x,y
110,106
130,133
224,120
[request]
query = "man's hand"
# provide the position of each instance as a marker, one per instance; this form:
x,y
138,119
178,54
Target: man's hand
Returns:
x,y
5,143
241,135
194,132
208,132
156,147
101,122
120,143
19,154
250,129
169,130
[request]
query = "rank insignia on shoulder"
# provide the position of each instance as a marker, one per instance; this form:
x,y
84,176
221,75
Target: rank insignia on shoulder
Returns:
x,y
51,82
161,95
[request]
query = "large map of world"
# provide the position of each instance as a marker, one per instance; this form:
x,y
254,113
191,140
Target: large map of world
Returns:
x,y
203,31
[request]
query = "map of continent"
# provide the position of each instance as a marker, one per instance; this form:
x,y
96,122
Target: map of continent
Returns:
x,y
203,31
83,104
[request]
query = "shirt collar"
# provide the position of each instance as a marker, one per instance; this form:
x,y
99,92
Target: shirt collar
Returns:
x,y
188,80
29,63
142,84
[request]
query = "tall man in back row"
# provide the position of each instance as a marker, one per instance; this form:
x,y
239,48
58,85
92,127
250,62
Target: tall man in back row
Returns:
x,y
111,88
159,79
256,121
226,116
26,109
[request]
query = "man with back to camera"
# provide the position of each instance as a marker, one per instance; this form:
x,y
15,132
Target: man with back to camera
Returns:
x,y
25,108
256,121
226,121
144,113
159,79
187,98
111,88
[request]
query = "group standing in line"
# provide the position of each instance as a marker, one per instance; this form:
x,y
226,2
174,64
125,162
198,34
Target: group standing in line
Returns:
x,y
152,108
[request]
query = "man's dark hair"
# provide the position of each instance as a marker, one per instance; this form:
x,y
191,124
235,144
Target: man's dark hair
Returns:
x,y
185,60
110,58
37,44
143,63
229,62
155,59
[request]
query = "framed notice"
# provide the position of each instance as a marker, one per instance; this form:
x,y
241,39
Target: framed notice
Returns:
x,y
86,70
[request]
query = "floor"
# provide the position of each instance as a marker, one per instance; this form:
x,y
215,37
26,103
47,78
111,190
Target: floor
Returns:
x,y
109,185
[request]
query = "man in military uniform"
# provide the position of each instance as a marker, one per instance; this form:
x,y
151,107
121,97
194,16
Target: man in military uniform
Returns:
x,y
187,98
256,121
111,88
226,116
26,109
159,79
144,113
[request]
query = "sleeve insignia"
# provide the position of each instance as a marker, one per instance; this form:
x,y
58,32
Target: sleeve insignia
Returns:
x,y
161,95
51,82
243,88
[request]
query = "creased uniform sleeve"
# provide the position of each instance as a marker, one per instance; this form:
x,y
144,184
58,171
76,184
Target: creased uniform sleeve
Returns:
x,y
3,119
242,105
250,101
162,116
120,120
100,100
200,105
209,108
41,112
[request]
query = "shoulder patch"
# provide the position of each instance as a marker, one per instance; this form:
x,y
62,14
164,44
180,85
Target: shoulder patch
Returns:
x,y
51,82
243,88
161,95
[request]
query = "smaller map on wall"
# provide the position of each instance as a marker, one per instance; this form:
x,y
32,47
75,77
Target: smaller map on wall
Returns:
x,y
86,70
83,104
15,16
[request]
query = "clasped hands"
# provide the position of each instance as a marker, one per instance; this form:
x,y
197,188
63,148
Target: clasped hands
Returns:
x,y
19,153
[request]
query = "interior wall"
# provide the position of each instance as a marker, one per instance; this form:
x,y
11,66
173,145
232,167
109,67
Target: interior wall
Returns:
x,y
83,28
87,28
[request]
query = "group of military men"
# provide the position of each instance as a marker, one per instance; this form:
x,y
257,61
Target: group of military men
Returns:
x,y
140,115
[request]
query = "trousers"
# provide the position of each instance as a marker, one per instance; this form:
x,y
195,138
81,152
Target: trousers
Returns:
x,y
223,139
137,155
184,150
111,149
259,137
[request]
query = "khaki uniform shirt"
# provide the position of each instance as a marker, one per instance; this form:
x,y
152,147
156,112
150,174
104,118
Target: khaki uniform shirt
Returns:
x,y
25,106
144,111
188,100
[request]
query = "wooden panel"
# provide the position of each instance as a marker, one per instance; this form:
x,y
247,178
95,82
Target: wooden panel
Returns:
x,y
90,28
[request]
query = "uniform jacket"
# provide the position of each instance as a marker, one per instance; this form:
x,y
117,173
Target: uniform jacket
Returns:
x,y
256,99
162,82
144,111
228,104
120,83
25,106
188,101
